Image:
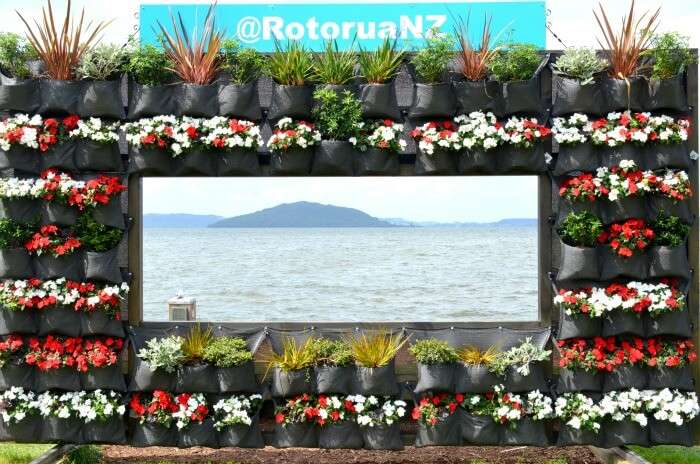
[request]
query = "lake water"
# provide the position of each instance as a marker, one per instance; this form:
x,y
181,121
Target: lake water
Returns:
x,y
374,274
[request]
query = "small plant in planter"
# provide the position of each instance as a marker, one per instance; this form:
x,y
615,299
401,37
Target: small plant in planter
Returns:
x,y
193,422
244,66
572,134
332,365
378,68
520,135
515,66
292,69
101,68
333,68
628,237
234,364
20,418
56,251
22,138
101,244
374,354
150,94
473,371
291,147
436,365
163,353
236,141
15,261
437,144
155,414
379,143
97,147
670,56
575,86
379,421
435,414
294,422
12,371
337,417
625,418
432,95
15,54
235,420
669,231
671,414
103,413
480,135
579,233
521,366
292,368
195,373
668,254
581,188
671,189
624,186
581,420
153,142
581,64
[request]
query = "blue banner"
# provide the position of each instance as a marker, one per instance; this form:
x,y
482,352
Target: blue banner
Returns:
x,y
367,24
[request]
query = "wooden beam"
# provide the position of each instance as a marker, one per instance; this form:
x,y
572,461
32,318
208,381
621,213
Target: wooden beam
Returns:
x,y
54,455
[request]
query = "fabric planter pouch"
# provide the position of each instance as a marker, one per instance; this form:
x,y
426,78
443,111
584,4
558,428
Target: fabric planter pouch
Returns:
x,y
382,437
569,436
333,379
240,101
103,378
439,163
613,156
574,158
340,435
522,96
294,162
199,101
479,430
63,378
303,435
68,266
566,207
436,377
379,101
569,96
625,208
333,158
679,377
527,432
110,431
18,321
376,162
242,436
197,162
291,383
103,266
477,161
623,433
624,94
25,431
15,263
61,430
199,378
614,266
578,263
144,379
293,101
60,320
146,100
672,155
432,101
625,377
146,434
445,433
21,95
662,204
53,212
99,323
25,210
622,323
21,158
110,214
149,161
667,94
60,156
667,433
672,323
474,379
578,325
238,163
59,96
376,380
511,159
478,96
102,99
238,379
516,382
669,262
575,380
198,434
95,156
16,375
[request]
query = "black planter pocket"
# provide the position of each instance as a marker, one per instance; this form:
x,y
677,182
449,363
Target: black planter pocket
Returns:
x,y
613,156
63,378
436,377
569,96
582,157
569,436
102,99
144,379
522,97
624,94
445,433
578,263
621,322
292,383
59,96
474,379
673,323
579,380
478,96
95,156
660,204
59,320
239,379
294,162
99,323
110,214
110,431
238,163
340,435
240,101
622,209
293,101
197,100
376,162
13,375
21,159
625,377
199,378
295,436
680,378
479,430
510,159
149,161
25,210
440,163
376,380
477,161
18,321
333,379
578,325
198,434
103,378
516,382
28,430
196,163
61,430
145,101
669,155
242,436
669,262
144,435
333,158
103,266
19,95
614,265
525,432
53,212
625,432
432,101
15,263
382,437
379,101
667,94
667,433
61,156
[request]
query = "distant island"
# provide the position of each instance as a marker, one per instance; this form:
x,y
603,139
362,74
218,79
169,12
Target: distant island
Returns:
x,y
304,214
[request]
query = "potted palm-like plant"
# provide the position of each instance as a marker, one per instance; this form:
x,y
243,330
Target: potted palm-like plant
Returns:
x,y
579,234
517,68
335,69
332,366
15,261
234,364
19,88
238,98
292,69
378,69
575,89
432,94
670,55
436,365
150,83
669,254
196,374
101,244
473,374
292,369
374,354
337,117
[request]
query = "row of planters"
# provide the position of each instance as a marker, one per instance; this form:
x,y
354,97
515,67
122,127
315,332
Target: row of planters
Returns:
x,y
57,198
651,141
632,249
624,192
86,251
635,308
33,144
61,363
607,364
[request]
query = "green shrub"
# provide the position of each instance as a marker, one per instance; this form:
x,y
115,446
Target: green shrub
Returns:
x,y
581,64
95,236
331,352
290,66
89,454
227,352
669,231
432,60
432,351
333,66
102,62
516,62
580,229
337,115
244,65
670,53
148,65
15,51
15,234
163,353
382,64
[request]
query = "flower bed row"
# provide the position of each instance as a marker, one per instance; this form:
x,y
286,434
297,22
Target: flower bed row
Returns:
x,y
61,363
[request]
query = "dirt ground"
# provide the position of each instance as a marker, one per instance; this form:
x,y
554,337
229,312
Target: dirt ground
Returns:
x,y
410,455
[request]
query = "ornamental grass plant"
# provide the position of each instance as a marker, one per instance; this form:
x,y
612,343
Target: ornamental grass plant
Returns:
x,y
291,65
294,356
196,342
382,64
333,66
475,356
376,348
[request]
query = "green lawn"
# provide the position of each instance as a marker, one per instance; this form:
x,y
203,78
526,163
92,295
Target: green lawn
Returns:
x,y
669,454
13,453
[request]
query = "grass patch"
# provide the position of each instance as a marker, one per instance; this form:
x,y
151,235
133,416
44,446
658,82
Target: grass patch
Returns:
x,y
669,454
14,453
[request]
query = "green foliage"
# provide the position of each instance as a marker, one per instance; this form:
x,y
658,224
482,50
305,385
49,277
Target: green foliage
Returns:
x,y
333,66
377,348
516,62
292,65
669,454
382,64
581,64
148,65
670,53
196,342
227,352
163,353
15,51
243,64
331,352
337,115
580,229
89,454
15,234
95,236
670,231
102,62
432,351
519,357
294,356
15,453
431,61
